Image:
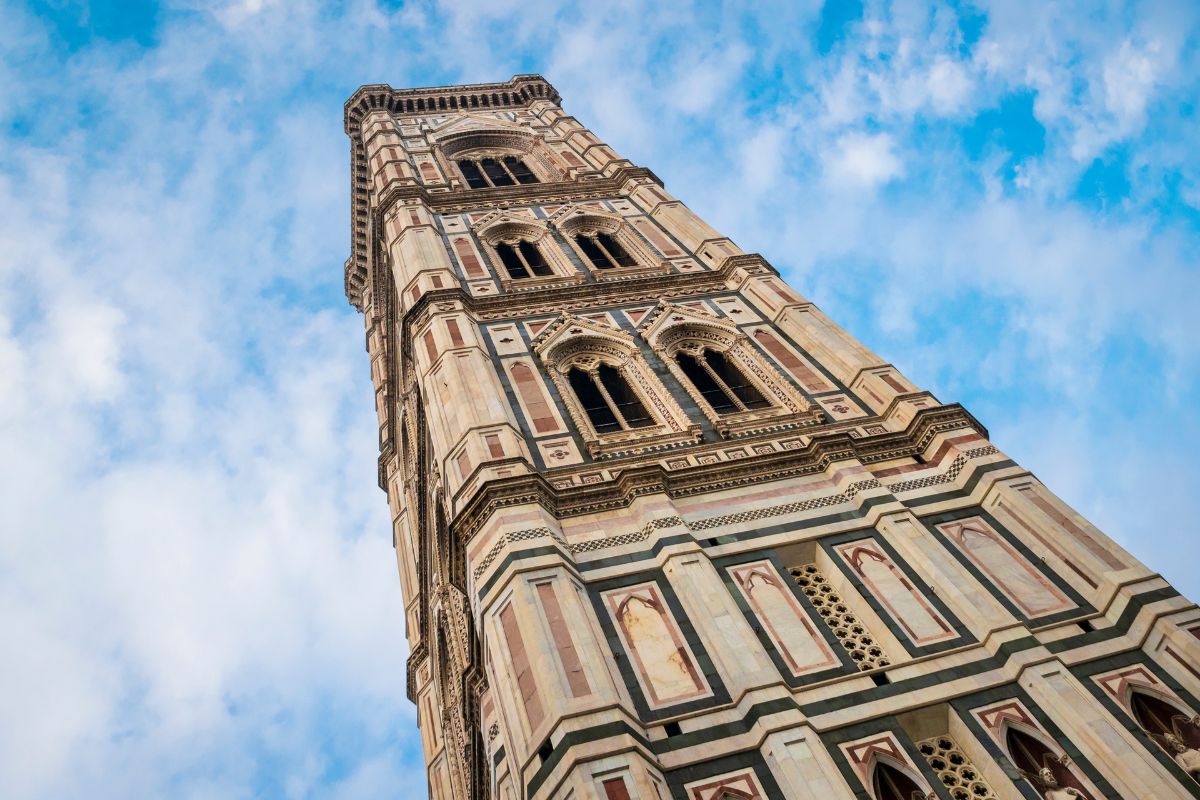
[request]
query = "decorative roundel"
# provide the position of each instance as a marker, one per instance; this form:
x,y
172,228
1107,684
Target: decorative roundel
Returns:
x,y
956,773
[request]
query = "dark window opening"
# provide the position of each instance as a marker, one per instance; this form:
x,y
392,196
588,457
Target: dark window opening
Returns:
x,y
615,250
608,400
672,729
628,404
523,260
604,251
594,405
733,378
593,253
709,389
512,262
519,171
482,173
544,751
470,171
496,172
722,385
880,678
533,257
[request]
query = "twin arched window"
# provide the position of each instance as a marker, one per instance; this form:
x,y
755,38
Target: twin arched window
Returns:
x,y
609,401
603,251
719,381
482,173
523,260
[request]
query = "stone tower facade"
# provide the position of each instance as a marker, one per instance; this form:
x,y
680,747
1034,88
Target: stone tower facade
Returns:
x,y
664,530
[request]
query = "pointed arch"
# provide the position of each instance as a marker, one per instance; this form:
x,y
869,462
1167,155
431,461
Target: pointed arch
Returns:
x,y
1159,715
1031,752
890,781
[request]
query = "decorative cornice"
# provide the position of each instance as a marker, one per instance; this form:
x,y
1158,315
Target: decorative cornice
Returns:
x,y
466,199
570,298
639,480
517,92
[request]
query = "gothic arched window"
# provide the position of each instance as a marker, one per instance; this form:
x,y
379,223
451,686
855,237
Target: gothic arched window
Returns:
x,y
523,259
609,401
889,783
603,251
732,383
1031,756
720,382
481,173
613,396
1171,727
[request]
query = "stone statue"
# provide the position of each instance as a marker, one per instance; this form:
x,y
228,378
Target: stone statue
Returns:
x,y
1052,790
1188,758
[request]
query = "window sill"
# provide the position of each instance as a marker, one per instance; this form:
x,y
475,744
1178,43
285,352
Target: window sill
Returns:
x,y
765,420
629,273
640,441
532,284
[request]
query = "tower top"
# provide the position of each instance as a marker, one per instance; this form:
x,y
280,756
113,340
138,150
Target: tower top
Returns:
x,y
518,91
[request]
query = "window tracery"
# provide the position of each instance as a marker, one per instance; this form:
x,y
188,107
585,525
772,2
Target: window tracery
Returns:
x,y
851,633
732,384
605,243
610,392
482,172
956,772
522,251
488,157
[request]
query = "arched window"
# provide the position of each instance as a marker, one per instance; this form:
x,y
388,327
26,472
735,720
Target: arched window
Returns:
x,y
603,251
731,382
523,260
720,382
1034,758
1171,727
889,783
481,173
1154,715
608,400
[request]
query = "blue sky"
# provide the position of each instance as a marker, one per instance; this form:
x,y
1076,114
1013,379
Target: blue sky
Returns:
x,y
196,583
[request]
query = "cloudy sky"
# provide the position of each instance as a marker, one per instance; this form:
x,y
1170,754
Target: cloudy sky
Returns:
x,y
197,589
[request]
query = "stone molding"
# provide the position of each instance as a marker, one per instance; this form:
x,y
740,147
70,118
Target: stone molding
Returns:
x,y
642,479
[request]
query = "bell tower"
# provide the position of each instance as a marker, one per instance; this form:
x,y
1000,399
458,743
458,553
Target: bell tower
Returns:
x,y
664,530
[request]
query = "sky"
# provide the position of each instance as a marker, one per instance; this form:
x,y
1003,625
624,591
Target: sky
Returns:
x,y
198,595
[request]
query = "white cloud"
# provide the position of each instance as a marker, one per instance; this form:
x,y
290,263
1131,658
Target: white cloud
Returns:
x,y
863,160
949,85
